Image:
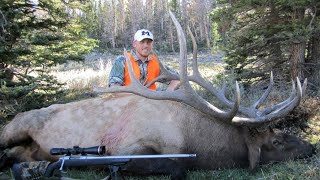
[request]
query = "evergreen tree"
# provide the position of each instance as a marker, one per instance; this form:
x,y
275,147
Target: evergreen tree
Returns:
x,y
34,36
268,35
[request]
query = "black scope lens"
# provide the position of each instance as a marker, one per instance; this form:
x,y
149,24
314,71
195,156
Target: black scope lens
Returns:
x,y
98,150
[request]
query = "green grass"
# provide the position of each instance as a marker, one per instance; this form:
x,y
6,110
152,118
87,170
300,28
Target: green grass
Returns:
x,y
291,170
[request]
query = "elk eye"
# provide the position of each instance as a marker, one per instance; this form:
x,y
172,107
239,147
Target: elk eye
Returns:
x,y
276,142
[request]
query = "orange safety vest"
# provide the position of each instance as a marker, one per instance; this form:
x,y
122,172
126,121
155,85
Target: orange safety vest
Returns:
x,y
153,71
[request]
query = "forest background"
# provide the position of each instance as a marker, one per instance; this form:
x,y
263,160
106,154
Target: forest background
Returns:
x,y
256,36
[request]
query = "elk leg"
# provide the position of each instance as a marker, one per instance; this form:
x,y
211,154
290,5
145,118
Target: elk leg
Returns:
x,y
29,152
18,154
156,167
12,140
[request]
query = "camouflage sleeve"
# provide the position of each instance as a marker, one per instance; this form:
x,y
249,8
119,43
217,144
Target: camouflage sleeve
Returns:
x,y
116,76
30,170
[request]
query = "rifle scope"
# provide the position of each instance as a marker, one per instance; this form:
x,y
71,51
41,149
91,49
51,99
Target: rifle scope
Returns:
x,y
98,150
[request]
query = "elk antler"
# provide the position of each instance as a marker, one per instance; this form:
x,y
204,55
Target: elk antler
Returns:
x,y
185,93
255,117
269,115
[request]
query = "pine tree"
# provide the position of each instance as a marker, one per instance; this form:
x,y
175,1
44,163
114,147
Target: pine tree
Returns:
x,y
34,36
265,36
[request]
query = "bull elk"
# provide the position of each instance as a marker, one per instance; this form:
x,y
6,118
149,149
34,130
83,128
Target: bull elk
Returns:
x,y
161,122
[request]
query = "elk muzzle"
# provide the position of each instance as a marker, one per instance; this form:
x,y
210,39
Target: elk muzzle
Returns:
x,y
283,147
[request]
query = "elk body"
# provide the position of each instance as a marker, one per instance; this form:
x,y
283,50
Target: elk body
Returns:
x,y
160,123
136,125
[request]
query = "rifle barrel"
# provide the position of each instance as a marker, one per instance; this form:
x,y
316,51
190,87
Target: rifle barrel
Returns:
x,y
133,156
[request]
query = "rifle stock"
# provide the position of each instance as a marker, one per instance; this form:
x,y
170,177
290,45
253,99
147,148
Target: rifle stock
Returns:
x,y
68,161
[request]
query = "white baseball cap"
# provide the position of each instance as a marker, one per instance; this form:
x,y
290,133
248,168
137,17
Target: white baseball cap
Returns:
x,y
143,34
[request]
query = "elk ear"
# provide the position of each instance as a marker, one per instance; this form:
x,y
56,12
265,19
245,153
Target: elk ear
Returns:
x,y
254,143
254,152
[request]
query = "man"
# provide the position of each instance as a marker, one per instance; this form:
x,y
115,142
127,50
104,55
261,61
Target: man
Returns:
x,y
145,65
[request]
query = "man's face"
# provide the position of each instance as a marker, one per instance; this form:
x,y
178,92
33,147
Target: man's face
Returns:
x,y
143,47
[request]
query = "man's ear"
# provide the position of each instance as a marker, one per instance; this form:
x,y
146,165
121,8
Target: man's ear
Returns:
x,y
134,43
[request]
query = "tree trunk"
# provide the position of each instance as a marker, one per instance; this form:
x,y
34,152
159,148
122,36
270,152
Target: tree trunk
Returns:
x,y
296,60
207,32
114,26
298,49
315,62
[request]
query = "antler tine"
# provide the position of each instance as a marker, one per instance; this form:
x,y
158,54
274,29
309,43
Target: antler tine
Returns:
x,y
195,68
283,103
197,78
265,120
165,74
184,82
304,86
255,112
265,94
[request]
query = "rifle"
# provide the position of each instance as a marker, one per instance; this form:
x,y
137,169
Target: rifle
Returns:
x,y
92,157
